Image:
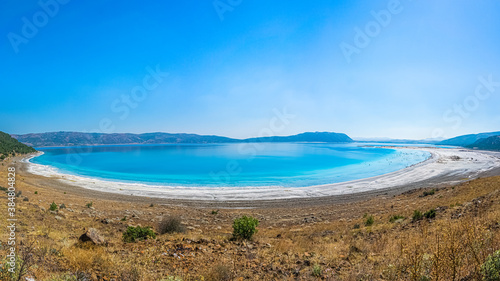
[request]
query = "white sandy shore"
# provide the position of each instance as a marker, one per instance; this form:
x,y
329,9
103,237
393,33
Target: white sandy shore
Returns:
x,y
444,162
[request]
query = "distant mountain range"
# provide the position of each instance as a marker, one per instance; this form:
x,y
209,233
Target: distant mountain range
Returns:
x,y
466,140
77,138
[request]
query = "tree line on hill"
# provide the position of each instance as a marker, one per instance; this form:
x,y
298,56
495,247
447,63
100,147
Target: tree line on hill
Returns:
x,y
9,146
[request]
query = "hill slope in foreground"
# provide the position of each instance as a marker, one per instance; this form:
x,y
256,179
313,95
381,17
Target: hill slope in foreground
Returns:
x,y
10,146
76,138
445,231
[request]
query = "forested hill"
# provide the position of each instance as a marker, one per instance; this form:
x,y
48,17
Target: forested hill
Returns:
x,y
491,143
11,146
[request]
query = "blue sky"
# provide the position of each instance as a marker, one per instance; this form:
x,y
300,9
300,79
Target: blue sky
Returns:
x,y
227,67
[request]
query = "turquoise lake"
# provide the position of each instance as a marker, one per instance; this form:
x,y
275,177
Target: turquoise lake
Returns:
x,y
235,165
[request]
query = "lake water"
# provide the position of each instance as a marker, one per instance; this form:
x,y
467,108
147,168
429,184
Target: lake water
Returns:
x,y
235,165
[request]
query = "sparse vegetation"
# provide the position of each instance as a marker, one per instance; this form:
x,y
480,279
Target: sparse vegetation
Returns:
x,y
90,204
171,225
316,270
417,215
430,214
53,207
215,212
62,206
428,193
369,220
491,267
133,234
245,227
395,218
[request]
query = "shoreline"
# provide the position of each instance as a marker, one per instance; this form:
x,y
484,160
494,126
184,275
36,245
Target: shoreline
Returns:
x,y
443,167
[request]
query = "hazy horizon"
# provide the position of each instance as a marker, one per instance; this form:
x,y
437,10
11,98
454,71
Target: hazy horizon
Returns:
x,y
382,69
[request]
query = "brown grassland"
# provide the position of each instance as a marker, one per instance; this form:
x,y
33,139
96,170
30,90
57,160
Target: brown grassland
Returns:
x,y
324,242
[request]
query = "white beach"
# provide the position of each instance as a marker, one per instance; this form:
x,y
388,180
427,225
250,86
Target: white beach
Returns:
x,y
462,164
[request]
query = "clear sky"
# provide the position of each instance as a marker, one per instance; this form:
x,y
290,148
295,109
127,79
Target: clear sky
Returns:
x,y
241,68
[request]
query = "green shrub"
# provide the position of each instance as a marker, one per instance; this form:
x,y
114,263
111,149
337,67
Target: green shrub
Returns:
x,y
395,218
491,267
171,225
62,206
369,220
356,226
417,215
244,227
427,193
36,192
133,234
215,212
430,214
316,270
89,205
53,206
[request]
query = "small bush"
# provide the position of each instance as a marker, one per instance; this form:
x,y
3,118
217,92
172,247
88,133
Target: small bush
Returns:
x,y
369,220
357,226
491,267
428,193
62,206
395,218
171,225
417,215
316,270
124,218
36,192
430,214
26,199
244,227
89,205
133,234
215,212
4,189
53,206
